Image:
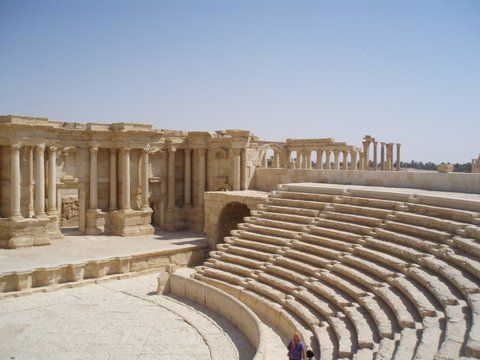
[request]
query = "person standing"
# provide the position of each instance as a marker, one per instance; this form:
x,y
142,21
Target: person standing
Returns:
x,y
296,350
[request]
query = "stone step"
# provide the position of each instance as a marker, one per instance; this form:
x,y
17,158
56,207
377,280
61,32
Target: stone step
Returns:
x,y
289,210
439,289
374,269
382,320
266,290
473,231
222,275
355,219
382,258
249,253
364,354
405,318
423,305
402,252
453,275
472,347
338,282
406,346
327,242
230,267
429,340
370,202
327,342
269,239
428,222
277,282
467,245
409,241
298,204
336,234
328,292
287,262
266,230
283,225
286,273
360,210
386,349
463,216
318,250
344,226
240,260
454,336
365,334
256,245
418,231
294,218
297,195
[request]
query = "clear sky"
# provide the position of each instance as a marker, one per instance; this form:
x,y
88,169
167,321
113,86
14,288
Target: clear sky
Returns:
x,y
402,71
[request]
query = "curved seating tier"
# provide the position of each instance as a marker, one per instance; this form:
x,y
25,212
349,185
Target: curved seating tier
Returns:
x,y
360,273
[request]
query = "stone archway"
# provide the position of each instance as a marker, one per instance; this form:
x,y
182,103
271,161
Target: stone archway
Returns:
x,y
231,215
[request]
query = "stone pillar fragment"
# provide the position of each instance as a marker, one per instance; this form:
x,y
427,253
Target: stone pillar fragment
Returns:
x,y
40,180
366,154
345,160
398,157
15,184
354,165
171,177
113,180
145,178
328,162
201,175
375,160
52,181
236,169
319,164
31,183
125,152
336,163
382,156
187,185
93,178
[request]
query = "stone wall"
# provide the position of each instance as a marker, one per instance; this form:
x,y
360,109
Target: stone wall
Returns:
x,y
267,179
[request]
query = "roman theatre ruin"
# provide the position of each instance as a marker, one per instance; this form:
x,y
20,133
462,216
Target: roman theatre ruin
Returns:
x,y
334,241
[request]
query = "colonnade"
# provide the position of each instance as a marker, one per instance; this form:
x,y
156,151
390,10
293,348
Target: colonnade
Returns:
x,y
36,205
387,162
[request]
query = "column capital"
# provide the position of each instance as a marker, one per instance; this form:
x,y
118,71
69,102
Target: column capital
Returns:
x,y
398,145
172,149
52,149
93,149
40,148
146,150
125,150
201,151
113,151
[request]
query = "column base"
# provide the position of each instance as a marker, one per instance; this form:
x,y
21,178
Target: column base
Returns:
x,y
97,222
53,230
196,218
131,222
19,232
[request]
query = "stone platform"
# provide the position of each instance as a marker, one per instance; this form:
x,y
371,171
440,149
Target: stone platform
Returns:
x,y
77,259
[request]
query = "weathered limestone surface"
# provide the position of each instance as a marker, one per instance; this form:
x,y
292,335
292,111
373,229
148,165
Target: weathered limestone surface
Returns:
x,y
357,267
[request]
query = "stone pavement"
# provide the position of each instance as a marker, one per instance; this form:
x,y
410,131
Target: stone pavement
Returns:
x,y
79,247
122,319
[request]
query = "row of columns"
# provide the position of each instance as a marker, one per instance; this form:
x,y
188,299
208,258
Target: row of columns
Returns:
x,y
386,155
201,161
124,157
304,160
15,182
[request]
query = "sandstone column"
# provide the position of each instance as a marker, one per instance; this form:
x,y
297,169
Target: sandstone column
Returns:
x,y
201,175
276,160
353,155
398,157
298,164
93,178
113,180
328,162
15,185
125,178
31,211
236,169
243,162
345,160
319,164
40,180
52,181
375,162
308,160
145,178
382,155
362,161
366,154
187,185
171,177
265,160
389,157
336,164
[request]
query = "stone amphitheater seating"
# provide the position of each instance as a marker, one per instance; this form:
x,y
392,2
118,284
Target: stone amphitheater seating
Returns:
x,y
363,274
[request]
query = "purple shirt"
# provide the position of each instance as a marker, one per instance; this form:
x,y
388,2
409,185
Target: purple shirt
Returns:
x,y
295,354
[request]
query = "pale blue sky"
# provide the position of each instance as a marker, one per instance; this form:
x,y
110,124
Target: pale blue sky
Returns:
x,y
403,71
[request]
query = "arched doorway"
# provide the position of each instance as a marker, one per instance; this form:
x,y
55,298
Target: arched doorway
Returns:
x,y
231,215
